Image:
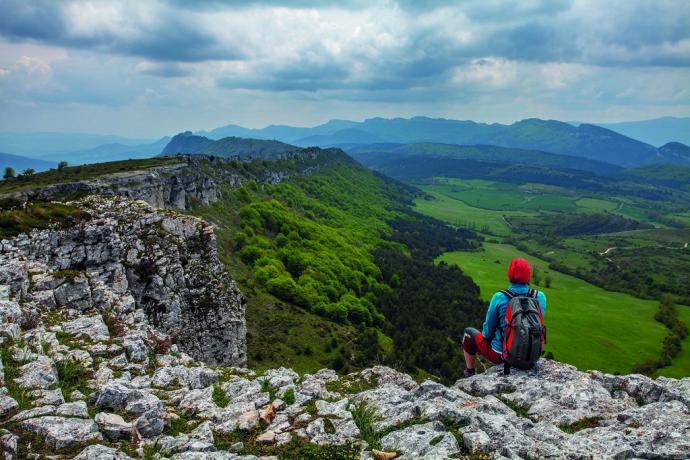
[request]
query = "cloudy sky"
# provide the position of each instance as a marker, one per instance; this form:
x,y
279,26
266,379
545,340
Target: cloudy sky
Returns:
x,y
151,67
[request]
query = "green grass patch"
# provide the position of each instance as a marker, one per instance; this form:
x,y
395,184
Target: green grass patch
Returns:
x,y
72,376
37,215
289,396
596,205
460,214
348,385
583,424
11,370
519,409
219,396
178,425
365,417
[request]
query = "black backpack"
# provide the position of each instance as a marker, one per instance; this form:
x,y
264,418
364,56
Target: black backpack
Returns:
x,y
525,334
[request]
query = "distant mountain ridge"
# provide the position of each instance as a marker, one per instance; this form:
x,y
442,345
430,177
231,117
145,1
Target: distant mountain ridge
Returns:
x,y
40,144
585,140
376,154
115,152
656,132
187,142
20,163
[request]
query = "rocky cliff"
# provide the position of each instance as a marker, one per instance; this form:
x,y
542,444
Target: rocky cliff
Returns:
x,y
122,337
125,260
194,180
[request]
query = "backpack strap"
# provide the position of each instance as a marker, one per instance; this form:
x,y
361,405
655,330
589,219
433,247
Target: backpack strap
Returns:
x,y
508,293
532,293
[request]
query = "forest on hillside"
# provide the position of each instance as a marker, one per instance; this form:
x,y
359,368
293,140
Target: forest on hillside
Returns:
x,y
343,244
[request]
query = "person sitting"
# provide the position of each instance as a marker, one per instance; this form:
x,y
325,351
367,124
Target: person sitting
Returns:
x,y
490,341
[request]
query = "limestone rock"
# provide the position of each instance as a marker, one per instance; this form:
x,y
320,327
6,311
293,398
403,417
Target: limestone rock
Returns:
x,y
10,312
99,452
73,409
8,445
47,397
194,377
7,405
60,432
113,426
39,374
151,423
429,440
91,327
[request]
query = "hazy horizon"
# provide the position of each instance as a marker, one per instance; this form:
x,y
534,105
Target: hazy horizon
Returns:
x,y
149,69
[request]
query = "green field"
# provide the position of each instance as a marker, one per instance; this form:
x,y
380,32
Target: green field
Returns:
x,y
589,327
596,204
498,196
459,214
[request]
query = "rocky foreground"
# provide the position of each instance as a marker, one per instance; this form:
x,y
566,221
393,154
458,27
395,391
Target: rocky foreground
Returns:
x,y
122,337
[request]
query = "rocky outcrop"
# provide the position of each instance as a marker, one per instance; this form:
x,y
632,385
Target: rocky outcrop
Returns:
x,y
176,186
129,263
193,181
173,406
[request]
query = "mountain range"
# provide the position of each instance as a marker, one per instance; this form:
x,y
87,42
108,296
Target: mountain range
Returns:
x,y
658,131
589,141
39,144
19,163
586,140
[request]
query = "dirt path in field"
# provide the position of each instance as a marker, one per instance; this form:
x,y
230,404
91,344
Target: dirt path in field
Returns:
x,y
607,251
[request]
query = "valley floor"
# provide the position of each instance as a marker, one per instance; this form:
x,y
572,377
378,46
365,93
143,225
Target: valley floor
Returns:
x,y
589,327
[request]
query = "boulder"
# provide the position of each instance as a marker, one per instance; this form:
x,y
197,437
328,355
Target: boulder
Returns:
x,y
47,397
98,452
7,406
151,423
39,374
189,377
10,312
113,426
73,409
61,432
90,327
429,440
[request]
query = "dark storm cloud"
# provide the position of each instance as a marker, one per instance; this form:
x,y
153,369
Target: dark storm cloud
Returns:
x,y
618,33
41,20
171,37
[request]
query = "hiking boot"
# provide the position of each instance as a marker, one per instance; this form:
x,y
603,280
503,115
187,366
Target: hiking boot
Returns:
x,y
468,372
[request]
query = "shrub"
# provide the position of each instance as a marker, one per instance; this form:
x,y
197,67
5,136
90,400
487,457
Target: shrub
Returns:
x,y
364,417
289,396
219,397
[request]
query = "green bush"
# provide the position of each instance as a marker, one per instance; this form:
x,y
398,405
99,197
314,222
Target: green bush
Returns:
x,y
219,397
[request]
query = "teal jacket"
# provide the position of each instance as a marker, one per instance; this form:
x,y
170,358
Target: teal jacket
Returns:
x,y
496,315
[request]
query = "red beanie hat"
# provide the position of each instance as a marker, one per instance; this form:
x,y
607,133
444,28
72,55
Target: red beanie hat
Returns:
x,y
519,271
